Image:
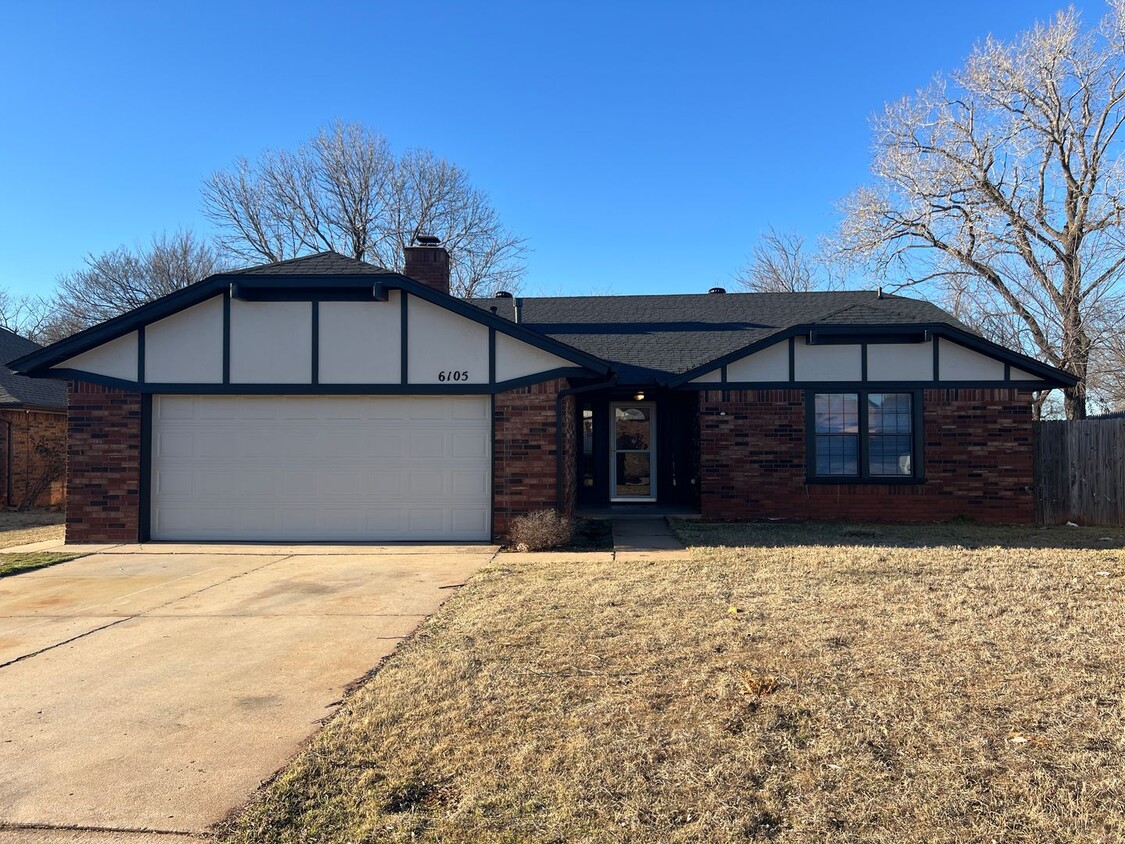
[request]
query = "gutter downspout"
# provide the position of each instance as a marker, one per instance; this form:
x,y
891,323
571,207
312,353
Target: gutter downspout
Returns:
x,y
570,391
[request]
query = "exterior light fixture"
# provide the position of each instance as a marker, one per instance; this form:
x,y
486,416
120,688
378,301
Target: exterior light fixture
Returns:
x,y
639,395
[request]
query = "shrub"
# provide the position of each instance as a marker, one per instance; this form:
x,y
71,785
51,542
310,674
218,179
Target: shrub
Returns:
x,y
541,530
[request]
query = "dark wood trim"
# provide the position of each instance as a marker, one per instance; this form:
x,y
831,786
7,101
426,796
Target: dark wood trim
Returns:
x,y
874,386
491,465
226,337
144,517
216,389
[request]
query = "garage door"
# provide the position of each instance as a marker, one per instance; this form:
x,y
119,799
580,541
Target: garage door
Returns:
x,y
321,468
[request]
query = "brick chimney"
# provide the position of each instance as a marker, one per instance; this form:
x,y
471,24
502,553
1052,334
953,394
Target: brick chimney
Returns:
x,y
428,262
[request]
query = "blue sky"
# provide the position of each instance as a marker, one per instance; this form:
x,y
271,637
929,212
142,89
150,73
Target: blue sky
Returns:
x,y
640,147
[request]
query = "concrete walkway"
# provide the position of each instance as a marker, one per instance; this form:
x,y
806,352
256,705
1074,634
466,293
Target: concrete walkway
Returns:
x,y
145,692
638,538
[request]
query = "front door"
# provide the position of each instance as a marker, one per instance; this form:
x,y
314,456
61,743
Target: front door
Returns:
x,y
632,464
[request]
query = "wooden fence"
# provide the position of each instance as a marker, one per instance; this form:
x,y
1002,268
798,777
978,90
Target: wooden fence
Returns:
x,y
1080,472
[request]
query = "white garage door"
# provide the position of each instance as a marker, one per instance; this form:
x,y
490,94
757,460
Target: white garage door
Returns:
x,y
321,468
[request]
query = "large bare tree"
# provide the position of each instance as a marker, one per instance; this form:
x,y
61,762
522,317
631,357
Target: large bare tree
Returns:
x,y
123,279
781,262
345,190
28,316
1004,181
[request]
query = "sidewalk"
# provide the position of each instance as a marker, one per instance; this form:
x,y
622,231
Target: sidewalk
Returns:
x,y
645,539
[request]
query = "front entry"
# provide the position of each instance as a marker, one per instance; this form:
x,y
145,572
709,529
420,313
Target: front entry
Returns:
x,y
637,450
632,468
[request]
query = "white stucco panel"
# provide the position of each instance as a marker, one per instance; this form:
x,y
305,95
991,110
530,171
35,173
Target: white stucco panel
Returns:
x,y
270,342
713,377
827,363
115,359
958,363
516,359
1020,375
187,347
900,362
768,364
361,342
440,342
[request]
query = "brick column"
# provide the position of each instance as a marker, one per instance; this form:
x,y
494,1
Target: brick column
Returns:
x,y
103,472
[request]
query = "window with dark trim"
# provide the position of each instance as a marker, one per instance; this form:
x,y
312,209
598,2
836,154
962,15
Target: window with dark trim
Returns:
x,y
864,436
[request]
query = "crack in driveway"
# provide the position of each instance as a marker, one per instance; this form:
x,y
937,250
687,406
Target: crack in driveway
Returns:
x,y
78,614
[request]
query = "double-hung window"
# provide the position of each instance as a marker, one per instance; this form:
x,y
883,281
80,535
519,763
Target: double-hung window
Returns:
x,y
865,436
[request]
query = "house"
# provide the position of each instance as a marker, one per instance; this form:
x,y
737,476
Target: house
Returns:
x,y
323,398
32,432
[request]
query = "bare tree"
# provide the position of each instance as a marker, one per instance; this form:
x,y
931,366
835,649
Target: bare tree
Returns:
x,y
123,279
780,263
1005,181
345,190
28,316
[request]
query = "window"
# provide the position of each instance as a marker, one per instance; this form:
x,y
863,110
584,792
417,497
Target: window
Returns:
x,y
864,436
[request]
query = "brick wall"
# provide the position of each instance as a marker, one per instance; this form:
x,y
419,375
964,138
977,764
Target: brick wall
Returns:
x,y
977,459
36,450
524,456
103,474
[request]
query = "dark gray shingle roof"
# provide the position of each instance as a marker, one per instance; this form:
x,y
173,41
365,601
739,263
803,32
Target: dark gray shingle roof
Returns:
x,y
18,390
649,337
322,263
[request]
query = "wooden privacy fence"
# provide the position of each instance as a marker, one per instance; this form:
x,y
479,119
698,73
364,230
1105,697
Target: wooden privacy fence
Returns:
x,y
1080,472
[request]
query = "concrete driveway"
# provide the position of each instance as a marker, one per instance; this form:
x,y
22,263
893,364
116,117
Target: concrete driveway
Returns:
x,y
152,688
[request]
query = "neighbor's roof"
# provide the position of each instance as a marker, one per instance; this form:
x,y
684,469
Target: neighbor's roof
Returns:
x,y
20,391
650,337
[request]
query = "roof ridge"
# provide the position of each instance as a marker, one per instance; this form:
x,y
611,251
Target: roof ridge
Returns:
x,y
295,259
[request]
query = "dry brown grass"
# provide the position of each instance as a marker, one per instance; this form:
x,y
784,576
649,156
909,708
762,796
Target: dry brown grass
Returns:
x,y
34,526
849,690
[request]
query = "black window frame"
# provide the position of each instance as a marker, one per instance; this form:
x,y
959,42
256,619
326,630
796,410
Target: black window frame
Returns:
x,y
864,475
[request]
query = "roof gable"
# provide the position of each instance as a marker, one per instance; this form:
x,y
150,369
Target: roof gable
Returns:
x,y
267,321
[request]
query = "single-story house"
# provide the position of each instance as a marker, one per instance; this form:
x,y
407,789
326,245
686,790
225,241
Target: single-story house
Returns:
x,y
32,432
323,398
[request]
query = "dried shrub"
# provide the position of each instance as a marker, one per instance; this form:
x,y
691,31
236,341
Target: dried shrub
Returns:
x,y
541,530
50,466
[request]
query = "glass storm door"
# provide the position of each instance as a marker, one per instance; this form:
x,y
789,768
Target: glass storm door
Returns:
x,y
632,465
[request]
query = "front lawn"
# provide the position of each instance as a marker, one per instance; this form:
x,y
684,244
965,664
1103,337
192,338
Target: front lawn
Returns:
x,y
18,528
18,563
787,683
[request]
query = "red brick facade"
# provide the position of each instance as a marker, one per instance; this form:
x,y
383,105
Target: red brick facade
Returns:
x,y
103,473
977,460
525,473
33,456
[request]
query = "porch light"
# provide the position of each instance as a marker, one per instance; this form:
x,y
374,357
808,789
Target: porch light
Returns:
x,y
639,395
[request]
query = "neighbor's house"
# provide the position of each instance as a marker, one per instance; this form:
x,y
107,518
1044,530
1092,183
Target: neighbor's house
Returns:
x,y
32,432
327,399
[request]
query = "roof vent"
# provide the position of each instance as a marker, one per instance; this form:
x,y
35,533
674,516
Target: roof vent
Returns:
x,y
717,290
503,294
427,240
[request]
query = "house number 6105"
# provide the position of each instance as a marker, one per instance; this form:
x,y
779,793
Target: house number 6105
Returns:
x,y
453,375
